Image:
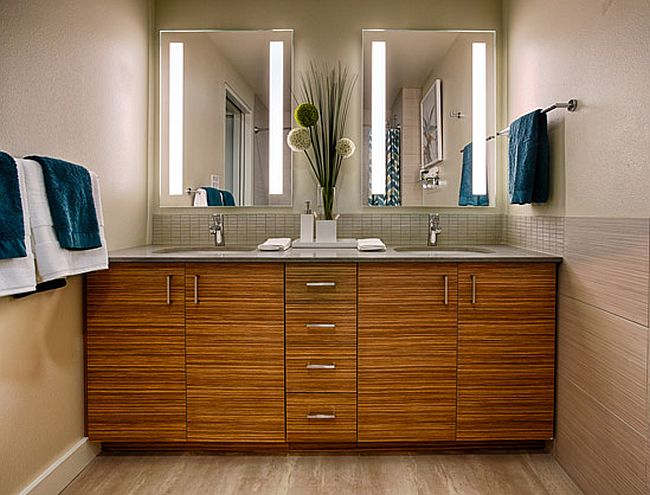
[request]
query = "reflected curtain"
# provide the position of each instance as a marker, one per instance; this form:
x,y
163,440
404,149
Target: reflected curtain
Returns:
x,y
392,195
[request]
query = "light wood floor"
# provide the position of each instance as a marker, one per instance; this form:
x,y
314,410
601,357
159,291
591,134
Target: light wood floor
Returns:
x,y
516,474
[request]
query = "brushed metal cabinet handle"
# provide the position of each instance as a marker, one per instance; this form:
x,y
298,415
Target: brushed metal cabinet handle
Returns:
x,y
312,366
169,290
320,325
446,281
473,277
320,284
196,289
321,416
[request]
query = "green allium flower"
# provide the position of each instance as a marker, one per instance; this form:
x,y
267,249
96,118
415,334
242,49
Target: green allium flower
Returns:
x,y
306,114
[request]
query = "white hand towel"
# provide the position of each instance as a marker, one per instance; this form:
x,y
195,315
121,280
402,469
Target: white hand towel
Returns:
x,y
200,197
52,261
18,275
372,244
275,244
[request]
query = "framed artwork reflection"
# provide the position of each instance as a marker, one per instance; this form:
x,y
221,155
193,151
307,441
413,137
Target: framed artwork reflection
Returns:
x,y
431,124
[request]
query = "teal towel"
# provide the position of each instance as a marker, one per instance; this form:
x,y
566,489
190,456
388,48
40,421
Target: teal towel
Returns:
x,y
219,197
12,222
70,197
215,198
465,197
228,198
529,159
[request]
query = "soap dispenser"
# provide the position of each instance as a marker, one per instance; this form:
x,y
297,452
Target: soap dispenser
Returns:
x,y
307,224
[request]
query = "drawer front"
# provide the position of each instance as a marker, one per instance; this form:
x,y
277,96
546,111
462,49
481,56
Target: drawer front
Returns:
x,y
331,282
325,369
321,418
321,324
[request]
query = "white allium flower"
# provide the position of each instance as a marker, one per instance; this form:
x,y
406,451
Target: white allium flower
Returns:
x,y
299,139
345,147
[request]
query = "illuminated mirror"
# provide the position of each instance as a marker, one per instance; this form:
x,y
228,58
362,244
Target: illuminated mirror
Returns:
x,y
427,97
224,113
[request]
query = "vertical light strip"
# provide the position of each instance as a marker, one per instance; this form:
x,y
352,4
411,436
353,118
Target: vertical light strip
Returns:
x,y
479,119
378,117
176,95
276,110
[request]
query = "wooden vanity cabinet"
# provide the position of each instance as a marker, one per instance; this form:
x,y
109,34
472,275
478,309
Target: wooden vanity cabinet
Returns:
x,y
374,353
407,352
135,353
235,352
506,351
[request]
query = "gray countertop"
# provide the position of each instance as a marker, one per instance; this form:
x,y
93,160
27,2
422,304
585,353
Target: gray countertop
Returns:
x,y
498,253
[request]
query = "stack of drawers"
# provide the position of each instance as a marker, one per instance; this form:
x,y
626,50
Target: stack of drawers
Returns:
x,y
321,353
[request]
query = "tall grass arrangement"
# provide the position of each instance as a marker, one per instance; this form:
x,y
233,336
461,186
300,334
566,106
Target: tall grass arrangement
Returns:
x,y
324,94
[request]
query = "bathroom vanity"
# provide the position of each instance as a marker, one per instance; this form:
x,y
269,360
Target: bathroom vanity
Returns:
x,y
287,349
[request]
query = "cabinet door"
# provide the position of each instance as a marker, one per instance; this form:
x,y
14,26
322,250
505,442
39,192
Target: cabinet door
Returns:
x,y
235,352
407,352
506,351
135,353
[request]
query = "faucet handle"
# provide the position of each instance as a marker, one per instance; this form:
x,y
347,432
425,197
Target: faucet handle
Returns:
x,y
217,218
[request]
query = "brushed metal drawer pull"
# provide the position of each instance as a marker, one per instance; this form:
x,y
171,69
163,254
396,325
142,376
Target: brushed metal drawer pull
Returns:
x,y
446,280
320,284
320,325
311,366
473,289
169,290
321,416
196,289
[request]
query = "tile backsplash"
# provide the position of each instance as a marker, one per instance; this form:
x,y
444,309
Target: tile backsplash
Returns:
x,y
539,233
393,229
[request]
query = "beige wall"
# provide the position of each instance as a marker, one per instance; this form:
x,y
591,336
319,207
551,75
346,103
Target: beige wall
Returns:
x,y
597,52
329,31
73,85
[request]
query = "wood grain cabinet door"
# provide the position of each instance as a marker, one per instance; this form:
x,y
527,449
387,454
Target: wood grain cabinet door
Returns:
x,y
235,352
506,351
135,353
407,352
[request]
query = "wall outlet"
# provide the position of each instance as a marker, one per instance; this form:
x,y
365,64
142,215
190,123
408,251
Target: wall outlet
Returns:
x,y
215,181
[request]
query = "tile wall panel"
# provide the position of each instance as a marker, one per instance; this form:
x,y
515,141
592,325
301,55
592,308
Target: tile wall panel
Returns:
x,y
606,265
603,349
600,452
606,356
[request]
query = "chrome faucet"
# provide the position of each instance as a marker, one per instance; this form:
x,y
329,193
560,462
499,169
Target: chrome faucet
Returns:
x,y
434,229
217,229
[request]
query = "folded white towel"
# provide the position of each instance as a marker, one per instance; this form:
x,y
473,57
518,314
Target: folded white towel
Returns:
x,y
372,244
18,275
200,197
52,261
276,244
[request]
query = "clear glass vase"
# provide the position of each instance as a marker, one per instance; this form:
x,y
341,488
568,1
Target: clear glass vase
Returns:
x,y
327,196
